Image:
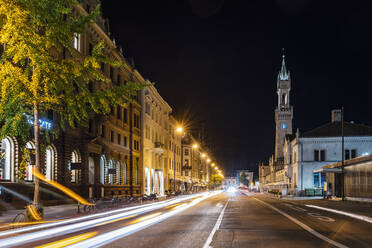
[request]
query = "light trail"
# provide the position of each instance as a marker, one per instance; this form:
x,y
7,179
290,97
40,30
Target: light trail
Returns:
x,y
112,221
146,217
112,236
69,221
62,188
54,232
68,241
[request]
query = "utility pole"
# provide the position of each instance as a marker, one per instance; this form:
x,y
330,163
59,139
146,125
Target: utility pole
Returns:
x,y
343,155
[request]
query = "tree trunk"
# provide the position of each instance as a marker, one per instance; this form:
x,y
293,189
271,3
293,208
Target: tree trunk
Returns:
x,y
37,152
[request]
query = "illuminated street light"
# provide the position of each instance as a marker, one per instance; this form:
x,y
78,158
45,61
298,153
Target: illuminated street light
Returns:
x,y
195,146
208,160
213,164
203,155
178,130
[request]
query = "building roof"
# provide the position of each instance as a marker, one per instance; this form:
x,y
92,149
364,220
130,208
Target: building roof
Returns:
x,y
283,74
333,129
348,162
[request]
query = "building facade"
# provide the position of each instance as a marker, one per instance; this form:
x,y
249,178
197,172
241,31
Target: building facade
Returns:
x,y
156,124
358,178
101,160
134,150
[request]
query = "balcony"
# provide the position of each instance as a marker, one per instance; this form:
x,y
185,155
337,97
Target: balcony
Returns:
x,y
158,149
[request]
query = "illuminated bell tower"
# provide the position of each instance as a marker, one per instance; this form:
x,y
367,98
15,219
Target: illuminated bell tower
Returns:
x,y
284,111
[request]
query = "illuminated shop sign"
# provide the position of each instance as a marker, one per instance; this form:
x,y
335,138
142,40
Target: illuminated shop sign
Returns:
x,y
42,123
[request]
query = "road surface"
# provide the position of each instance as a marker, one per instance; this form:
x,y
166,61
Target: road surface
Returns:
x,y
205,220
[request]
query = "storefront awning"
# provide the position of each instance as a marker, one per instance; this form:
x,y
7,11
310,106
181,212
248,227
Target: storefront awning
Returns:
x,y
328,170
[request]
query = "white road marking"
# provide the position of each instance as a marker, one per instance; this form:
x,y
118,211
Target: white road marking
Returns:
x,y
219,205
321,217
306,227
215,228
356,216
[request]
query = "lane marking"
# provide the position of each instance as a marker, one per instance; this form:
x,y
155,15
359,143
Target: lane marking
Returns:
x,y
356,216
216,227
321,217
304,226
316,215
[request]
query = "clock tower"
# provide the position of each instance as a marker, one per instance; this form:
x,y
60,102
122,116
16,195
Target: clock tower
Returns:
x,y
283,111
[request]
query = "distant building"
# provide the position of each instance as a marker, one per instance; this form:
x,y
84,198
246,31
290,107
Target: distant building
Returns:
x,y
229,182
298,157
310,151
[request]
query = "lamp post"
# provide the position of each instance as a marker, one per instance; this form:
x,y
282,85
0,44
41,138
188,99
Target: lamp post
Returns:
x,y
179,130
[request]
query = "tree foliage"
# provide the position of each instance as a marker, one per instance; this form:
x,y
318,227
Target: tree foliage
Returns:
x,y
243,179
40,67
216,179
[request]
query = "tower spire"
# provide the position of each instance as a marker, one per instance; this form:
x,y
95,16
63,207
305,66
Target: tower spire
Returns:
x,y
283,74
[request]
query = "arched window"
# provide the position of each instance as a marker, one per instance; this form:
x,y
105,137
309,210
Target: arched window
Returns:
x,y
49,163
75,173
110,175
102,169
119,180
91,170
125,173
6,159
31,148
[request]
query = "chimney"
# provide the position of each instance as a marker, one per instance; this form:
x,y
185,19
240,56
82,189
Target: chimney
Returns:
x,y
336,115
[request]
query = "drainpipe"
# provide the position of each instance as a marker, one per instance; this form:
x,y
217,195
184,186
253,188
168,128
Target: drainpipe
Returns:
x,y
343,155
131,148
302,168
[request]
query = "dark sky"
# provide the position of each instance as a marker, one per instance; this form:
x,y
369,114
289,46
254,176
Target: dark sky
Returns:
x,y
217,61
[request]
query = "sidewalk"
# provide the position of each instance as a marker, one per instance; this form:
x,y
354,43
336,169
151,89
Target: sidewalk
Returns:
x,y
50,212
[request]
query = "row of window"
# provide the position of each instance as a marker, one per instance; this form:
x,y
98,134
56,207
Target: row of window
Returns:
x,y
171,165
320,155
119,140
158,117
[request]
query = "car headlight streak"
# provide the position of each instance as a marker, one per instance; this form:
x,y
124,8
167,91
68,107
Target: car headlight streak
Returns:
x,y
57,231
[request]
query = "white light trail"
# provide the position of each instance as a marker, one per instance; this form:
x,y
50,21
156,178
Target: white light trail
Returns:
x,y
54,232
91,216
109,237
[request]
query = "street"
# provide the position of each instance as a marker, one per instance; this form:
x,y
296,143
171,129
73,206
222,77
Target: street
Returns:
x,y
203,220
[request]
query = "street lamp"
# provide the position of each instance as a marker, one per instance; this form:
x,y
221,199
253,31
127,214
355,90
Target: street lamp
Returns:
x,y
208,160
195,146
203,155
179,130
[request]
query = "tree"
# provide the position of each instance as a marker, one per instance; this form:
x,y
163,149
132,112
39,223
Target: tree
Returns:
x,y
215,180
40,70
243,179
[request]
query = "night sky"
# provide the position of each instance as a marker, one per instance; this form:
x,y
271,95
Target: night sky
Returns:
x,y
217,62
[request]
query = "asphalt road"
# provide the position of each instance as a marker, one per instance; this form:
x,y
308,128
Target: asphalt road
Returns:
x,y
220,220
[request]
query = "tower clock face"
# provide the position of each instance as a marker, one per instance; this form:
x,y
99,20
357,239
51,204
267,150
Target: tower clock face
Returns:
x,y
284,126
